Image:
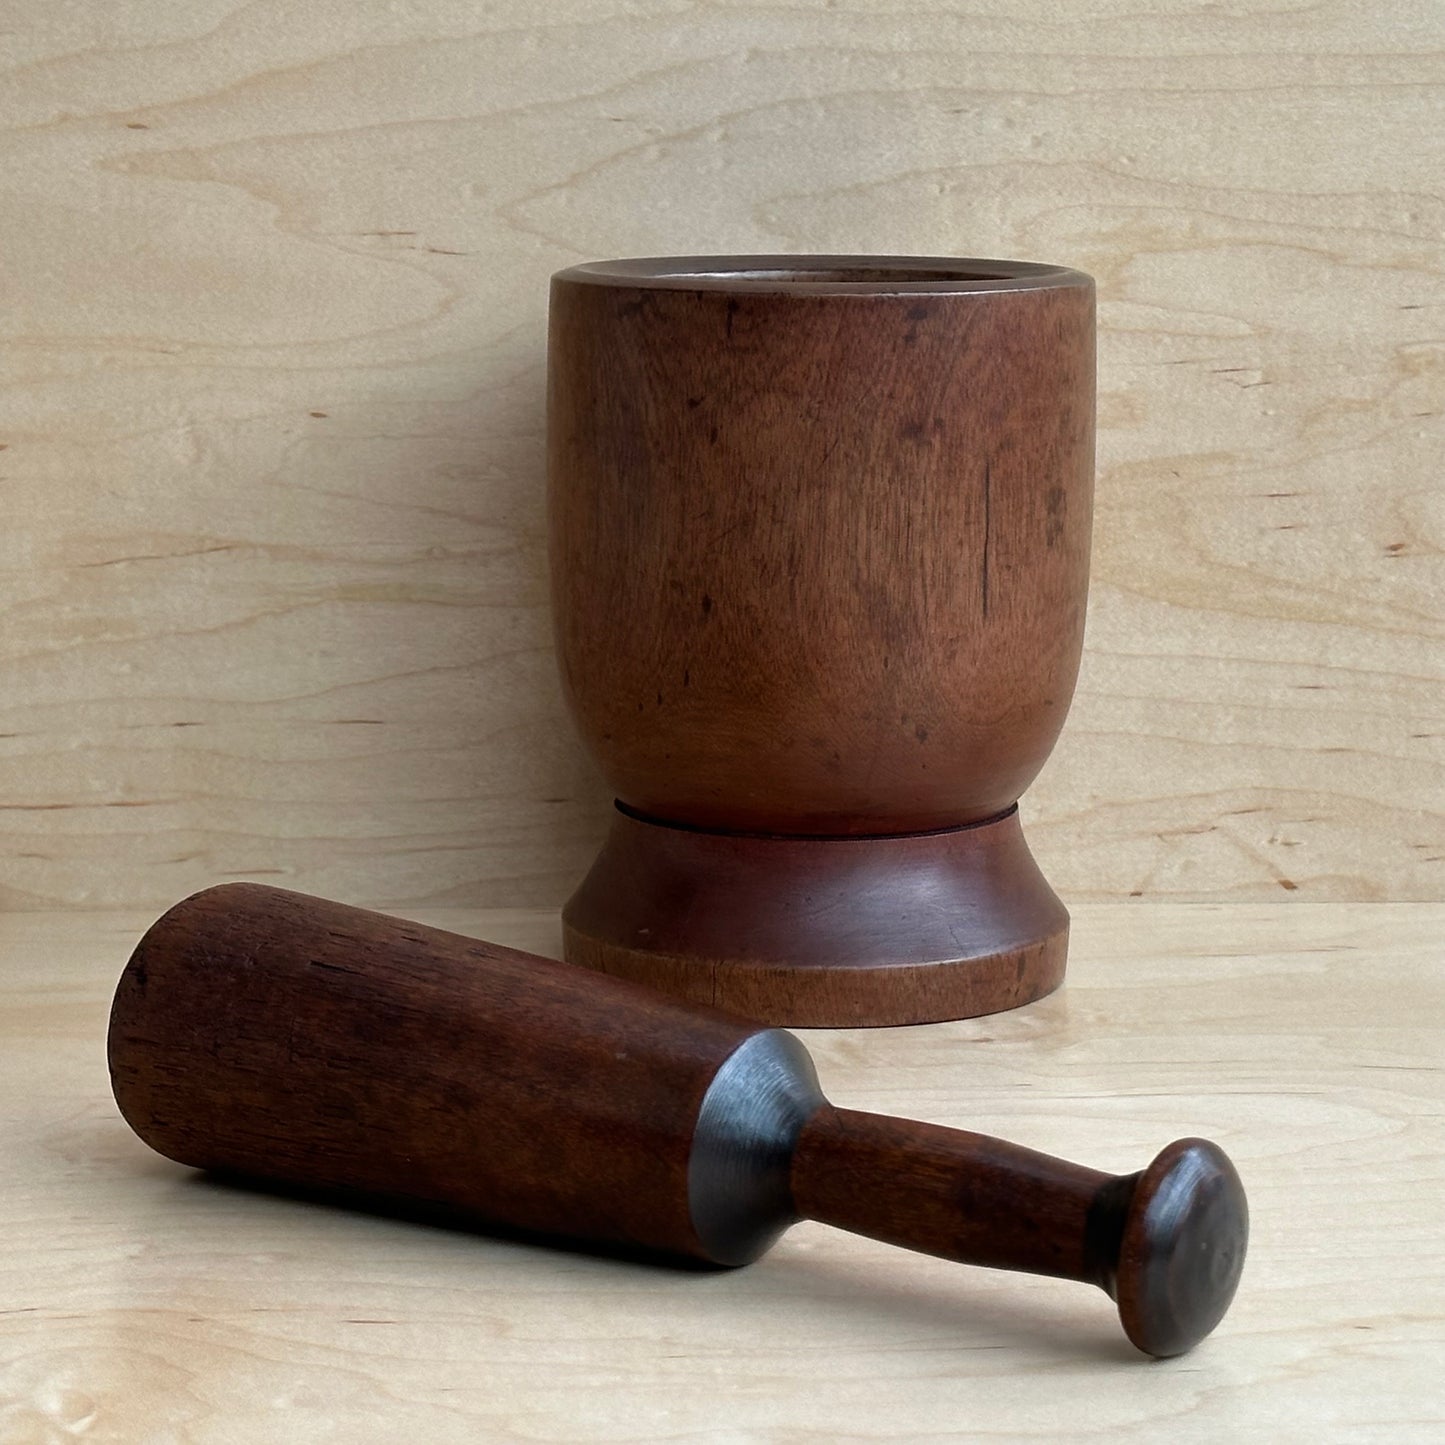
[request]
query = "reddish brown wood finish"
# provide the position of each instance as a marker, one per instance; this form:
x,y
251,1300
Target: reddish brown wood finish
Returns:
x,y
267,1034
958,1195
285,1037
820,537
1167,1244
841,932
820,548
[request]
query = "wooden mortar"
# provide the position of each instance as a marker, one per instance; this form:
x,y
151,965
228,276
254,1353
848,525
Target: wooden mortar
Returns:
x,y
820,543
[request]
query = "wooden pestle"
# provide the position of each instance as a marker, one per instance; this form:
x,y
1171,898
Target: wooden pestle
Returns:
x,y
265,1033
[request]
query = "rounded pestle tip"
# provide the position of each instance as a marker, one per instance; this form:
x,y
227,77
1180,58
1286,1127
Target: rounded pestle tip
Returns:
x,y
1183,1247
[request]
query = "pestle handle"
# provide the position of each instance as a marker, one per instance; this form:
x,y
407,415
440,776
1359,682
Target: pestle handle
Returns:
x,y
1167,1244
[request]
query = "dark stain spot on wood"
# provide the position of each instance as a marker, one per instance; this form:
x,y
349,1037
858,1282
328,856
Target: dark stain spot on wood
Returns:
x,y
922,428
633,306
1394,549
910,336
693,402
330,967
731,311
706,604
1055,505
136,125
921,733
917,312
317,413
712,436
987,527
1136,893
687,677
659,699
1288,884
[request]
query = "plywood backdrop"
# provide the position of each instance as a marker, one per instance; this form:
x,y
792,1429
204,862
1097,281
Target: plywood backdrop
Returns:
x,y
271,359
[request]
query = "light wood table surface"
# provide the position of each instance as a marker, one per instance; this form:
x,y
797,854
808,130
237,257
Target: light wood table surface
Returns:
x,y
142,1302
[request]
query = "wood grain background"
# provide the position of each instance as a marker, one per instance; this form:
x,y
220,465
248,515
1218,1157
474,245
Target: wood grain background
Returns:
x,y
271,359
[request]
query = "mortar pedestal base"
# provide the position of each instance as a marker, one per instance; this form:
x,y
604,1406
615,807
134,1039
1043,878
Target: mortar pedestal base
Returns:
x,y
823,932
